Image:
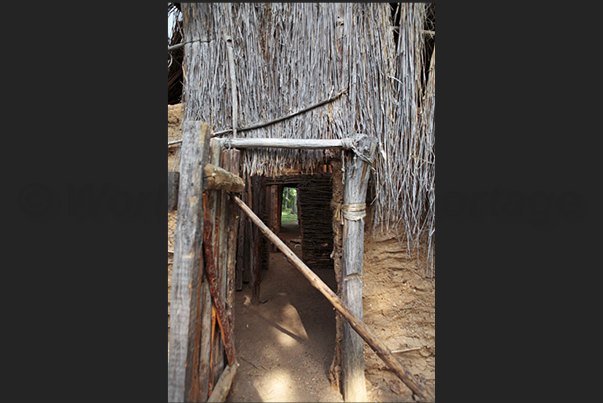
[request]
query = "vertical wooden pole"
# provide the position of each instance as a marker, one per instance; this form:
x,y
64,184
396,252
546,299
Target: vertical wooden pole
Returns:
x,y
205,343
217,217
256,242
274,212
248,239
241,262
357,172
231,159
279,206
188,238
337,200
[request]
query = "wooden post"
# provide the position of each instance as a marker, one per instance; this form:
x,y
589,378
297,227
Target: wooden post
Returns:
x,y
230,161
357,172
241,262
256,243
378,346
188,239
274,212
218,246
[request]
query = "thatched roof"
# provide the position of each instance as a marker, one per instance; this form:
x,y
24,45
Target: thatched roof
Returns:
x,y
288,56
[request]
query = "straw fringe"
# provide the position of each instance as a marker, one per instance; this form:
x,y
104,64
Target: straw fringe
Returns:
x,y
291,55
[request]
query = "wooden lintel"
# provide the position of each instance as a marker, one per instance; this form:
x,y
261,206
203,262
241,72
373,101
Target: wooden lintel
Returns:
x,y
311,144
216,178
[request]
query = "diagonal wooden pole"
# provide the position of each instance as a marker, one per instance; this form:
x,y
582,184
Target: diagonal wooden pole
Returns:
x,y
424,394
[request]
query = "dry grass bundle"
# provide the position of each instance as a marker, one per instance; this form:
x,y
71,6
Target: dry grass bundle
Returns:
x,y
289,56
406,194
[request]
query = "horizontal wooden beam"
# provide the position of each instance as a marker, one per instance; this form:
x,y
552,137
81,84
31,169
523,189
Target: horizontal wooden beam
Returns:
x,y
310,144
367,334
216,178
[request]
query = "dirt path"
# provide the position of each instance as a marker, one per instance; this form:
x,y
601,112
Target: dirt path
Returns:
x,y
285,345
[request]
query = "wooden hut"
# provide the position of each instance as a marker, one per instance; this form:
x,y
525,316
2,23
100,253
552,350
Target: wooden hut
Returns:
x,y
336,99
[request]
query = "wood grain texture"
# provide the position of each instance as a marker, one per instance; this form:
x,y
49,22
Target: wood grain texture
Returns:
x,y
357,173
231,161
188,239
305,144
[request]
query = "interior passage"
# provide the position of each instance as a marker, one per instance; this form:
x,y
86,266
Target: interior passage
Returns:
x,y
285,344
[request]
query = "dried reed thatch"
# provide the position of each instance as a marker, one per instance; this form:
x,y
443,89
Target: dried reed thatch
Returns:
x,y
288,56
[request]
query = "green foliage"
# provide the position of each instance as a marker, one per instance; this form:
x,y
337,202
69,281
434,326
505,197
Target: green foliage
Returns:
x,y
287,217
289,207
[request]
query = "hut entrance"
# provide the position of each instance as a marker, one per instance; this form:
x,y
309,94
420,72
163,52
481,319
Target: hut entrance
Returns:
x,y
287,338
286,342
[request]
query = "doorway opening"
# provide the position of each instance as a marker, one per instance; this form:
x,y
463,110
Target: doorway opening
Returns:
x,y
287,341
290,207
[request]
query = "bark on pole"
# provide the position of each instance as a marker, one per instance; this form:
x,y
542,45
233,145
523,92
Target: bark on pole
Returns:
x,y
357,172
188,239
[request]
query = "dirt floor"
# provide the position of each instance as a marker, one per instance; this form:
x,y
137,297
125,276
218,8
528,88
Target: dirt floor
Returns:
x,y
285,344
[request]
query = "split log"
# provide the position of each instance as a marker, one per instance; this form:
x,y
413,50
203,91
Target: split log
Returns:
x,y
188,239
355,322
217,178
224,383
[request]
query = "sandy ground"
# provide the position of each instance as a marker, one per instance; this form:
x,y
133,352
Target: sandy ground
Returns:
x,y
286,344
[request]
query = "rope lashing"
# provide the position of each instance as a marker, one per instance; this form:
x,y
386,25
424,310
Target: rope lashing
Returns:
x,y
351,211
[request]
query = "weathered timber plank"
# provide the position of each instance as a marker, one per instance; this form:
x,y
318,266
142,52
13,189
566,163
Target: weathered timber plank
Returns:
x,y
367,334
188,238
